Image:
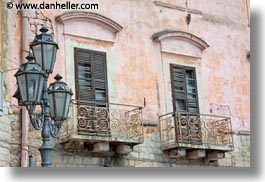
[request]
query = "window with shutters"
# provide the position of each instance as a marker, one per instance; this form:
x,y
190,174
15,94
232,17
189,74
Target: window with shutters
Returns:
x,y
91,92
184,89
91,77
185,103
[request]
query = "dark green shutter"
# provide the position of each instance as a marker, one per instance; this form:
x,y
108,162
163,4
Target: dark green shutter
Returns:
x,y
99,78
184,89
91,77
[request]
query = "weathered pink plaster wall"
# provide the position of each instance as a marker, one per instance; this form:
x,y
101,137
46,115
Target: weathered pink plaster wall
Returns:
x,y
136,58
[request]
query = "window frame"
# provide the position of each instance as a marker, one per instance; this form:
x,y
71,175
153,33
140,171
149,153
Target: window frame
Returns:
x,y
172,66
93,101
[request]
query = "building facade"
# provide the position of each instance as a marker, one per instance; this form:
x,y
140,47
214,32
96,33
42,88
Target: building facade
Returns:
x,y
156,83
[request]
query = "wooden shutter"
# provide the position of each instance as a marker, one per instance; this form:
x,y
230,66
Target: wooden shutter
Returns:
x,y
191,89
91,77
184,89
100,79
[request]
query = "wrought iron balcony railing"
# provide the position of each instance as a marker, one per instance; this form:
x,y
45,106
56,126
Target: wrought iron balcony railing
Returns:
x,y
201,131
107,122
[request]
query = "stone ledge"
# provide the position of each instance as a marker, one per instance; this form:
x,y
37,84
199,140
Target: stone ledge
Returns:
x,y
242,132
170,6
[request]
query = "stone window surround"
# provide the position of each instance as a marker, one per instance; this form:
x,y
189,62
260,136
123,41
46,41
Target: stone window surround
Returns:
x,y
73,20
102,20
193,48
102,29
176,46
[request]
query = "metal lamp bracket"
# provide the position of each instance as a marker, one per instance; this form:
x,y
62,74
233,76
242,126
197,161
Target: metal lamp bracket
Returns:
x,y
55,127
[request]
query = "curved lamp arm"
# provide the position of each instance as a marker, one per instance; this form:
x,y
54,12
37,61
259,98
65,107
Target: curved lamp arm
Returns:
x,y
55,127
35,119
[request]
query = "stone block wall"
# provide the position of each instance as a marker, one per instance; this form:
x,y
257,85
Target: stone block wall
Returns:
x,y
148,154
9,138
240,157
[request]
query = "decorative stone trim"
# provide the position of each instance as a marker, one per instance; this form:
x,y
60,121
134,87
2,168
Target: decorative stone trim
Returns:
x,y
194,11
170,6
183,35
243,132
102,20
178,8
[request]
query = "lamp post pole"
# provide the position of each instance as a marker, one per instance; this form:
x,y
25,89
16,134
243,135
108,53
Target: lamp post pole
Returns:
x,y
46,149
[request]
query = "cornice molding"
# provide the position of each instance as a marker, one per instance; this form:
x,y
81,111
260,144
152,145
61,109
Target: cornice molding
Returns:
x,y
101,20
182,35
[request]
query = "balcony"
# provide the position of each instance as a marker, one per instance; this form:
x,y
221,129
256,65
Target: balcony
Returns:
x,y
102,128
195,136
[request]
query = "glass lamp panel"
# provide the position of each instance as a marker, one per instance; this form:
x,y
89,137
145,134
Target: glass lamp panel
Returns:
x,y
59,104
40,87
57,86
67,104
32,87
48,54
51,96
22,87
38,54
54,52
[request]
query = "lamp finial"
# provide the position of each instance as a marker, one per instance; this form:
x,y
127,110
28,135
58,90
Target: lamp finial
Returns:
x,y
44,29
58,77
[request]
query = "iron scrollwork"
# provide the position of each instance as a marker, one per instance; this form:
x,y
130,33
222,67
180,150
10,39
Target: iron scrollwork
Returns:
x,y
189,129
92,119
117,121
55,127
196,129
133,126
37,120
167,128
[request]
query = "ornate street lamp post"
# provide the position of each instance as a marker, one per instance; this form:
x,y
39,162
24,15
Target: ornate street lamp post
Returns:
x,y
32,78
